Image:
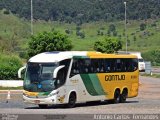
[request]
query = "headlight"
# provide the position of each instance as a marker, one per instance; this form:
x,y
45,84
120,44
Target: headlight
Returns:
x,y
52,94
25,94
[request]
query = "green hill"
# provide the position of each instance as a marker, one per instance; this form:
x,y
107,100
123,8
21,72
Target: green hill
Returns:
x,y
15,32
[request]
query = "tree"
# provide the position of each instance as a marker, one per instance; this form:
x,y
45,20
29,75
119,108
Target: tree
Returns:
x,y
80,11
112,28
153,56
142,26
134,39
48,41
108,45
6,12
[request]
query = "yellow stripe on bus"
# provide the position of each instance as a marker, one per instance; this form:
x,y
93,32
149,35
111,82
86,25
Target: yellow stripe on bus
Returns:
x,y
30,93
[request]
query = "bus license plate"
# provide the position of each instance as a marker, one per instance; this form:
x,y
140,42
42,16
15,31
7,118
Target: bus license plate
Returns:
x,y
37,101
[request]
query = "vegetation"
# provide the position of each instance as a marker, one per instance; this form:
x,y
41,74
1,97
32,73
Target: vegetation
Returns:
x,y
48,41
11,88
153,56
81,11
154,75
87,23
108,45
142,26
9,66
15,34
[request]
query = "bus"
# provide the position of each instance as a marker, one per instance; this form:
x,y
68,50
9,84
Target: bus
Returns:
x,y
72,77
141,63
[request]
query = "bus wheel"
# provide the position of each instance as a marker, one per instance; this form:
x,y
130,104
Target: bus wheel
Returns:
x,y
72,100
123,96
116,96
43,106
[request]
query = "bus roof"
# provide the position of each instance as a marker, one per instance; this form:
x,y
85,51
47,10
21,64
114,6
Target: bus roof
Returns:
x,y
59,56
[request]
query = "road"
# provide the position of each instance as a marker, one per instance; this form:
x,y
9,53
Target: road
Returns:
x,y
148,101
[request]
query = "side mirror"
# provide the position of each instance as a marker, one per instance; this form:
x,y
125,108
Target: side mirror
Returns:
x,y
20,71
56,71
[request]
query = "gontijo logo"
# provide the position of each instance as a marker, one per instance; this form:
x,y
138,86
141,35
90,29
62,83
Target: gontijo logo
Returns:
x,y
114,77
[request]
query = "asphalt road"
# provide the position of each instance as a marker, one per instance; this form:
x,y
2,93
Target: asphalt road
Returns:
x,y
147,102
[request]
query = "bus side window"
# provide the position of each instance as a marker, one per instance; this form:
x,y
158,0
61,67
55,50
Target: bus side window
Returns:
x,y
135,64
113,65
81,67
87,65
61,76
123,65
102,65
130,65
98,67
118,65
93,68
74,68
107,65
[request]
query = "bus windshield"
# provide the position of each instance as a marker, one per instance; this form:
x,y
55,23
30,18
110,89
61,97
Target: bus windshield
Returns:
x,y
39,77
140,60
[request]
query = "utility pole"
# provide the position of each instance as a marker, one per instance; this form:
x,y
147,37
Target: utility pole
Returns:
x,y
125,26
31,17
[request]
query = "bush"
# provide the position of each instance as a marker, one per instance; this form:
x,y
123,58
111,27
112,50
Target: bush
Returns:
x,y
142,26
9,67
6,12
78,28
108,45
153,56
81,34
67,31
48,41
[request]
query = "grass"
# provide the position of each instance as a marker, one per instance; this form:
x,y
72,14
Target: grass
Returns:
x,y
153,75
14,27
11,88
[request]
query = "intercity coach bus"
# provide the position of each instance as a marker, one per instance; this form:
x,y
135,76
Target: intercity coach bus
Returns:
x,y
73,77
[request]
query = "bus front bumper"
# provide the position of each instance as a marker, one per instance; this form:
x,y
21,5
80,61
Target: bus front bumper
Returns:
x,y
47,100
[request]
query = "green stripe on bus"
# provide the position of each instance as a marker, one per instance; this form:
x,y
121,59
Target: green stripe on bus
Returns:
x,y
96,84
44,93
88,84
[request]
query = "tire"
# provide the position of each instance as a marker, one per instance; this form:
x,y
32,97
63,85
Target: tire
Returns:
x,y
116,97
43,106
123,96
72,100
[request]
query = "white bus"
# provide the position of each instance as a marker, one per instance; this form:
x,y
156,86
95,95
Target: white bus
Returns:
x,y
141,63
74,77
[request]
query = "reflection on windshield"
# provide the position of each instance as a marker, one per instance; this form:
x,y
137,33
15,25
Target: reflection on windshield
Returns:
x,y
39,77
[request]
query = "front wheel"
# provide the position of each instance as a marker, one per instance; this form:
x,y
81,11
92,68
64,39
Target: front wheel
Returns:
x,y
72,100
